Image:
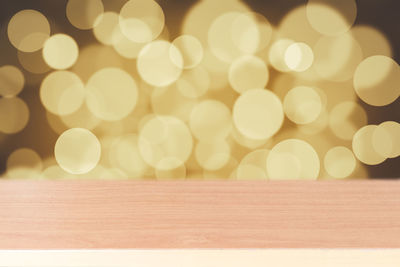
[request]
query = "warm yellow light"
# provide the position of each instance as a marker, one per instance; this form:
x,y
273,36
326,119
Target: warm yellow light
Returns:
x,y
248,72
14,115
380,46
62,92
293,159
28,30
170,169
210,121
83,13
377,80
160,63
170,101
125,155
60,51
346,118
165,137
106,27
194,83
258,114
331,17
339,162
336,57
386,139
363,147
253,166
277,52
12,81
191,50
299,57
24,163
111,94
212,156
77,151
302,105
141,21
33,62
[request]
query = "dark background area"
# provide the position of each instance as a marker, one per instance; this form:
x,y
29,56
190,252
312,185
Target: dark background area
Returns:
x,y
382,14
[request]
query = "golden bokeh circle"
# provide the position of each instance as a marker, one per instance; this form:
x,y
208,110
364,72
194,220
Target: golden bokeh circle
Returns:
x,y
191,50
83,13
377,80
62,92
212,156
293,159
248,72
60,51
346,118
12,81
386,139
253,166
14,115
210,121
24,163
339,162
106,27
363,147
160,63
111,94
331,17
77,151
141,21
299,57
258,114
194,83
28,30
302,105
165,137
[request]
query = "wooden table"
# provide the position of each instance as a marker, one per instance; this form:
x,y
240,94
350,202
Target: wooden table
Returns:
x,y
199,214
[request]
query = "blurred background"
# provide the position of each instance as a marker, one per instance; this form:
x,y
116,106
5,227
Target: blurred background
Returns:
x,y
282,45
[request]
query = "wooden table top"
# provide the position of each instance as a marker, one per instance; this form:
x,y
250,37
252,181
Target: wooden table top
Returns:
x,y
199,214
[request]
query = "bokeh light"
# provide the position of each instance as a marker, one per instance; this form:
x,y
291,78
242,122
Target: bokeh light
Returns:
x,y
377,80
83,13
60,51
14,115
24,163
141,21
62,92
165,137
248,72
363,146
77,151
302,105
293,159
160,63
210,121
339,162
331,17
258,114
189,90
12,81
191,50
111,94
28,37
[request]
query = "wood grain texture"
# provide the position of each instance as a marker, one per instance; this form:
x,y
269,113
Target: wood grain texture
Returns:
x,y
126,214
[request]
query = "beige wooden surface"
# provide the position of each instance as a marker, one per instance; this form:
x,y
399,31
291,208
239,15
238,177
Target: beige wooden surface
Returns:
x,y
126,214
